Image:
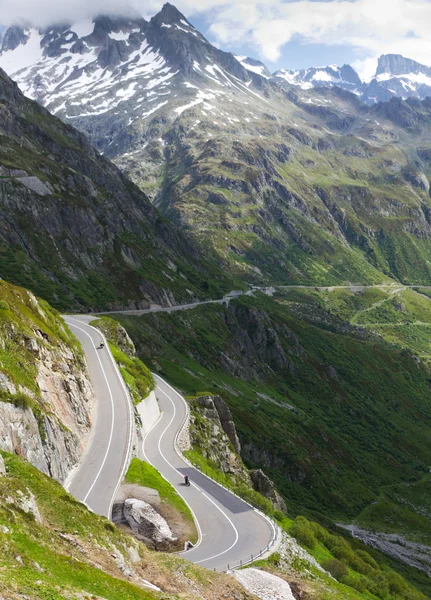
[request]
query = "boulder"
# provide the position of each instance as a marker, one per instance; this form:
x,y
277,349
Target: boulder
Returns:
x,y
146,523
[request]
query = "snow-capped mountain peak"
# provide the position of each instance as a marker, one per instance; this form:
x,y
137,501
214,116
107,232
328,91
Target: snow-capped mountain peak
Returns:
x,y
111,75
344,77
396,65
397,76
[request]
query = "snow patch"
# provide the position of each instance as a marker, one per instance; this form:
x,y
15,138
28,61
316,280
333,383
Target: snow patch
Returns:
x,y
121,36
25,55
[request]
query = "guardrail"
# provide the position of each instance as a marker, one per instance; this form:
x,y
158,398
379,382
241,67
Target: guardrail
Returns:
x,y
253,557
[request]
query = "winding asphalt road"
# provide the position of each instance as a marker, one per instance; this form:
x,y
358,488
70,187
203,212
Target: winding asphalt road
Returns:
x,y
96,480
230,531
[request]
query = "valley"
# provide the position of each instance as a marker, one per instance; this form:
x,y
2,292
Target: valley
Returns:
x,y
244,261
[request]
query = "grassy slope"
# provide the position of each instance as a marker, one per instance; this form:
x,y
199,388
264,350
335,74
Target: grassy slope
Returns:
x,y
358,572
146,475
403,318
69,555
339,433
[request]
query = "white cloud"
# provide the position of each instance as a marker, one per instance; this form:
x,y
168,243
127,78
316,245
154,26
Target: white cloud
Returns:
x,y
370,27
366,68
45,12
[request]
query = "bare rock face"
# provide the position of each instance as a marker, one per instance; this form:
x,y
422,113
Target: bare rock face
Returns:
x,y
263,484
216,436
227,423
265,586
147,524
2,467
49,425
42,442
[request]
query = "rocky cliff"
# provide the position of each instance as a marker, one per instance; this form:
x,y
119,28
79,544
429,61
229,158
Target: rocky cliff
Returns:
x,y
213,434
46,398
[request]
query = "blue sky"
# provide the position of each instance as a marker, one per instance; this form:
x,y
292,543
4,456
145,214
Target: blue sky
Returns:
x,y
296,54
288,34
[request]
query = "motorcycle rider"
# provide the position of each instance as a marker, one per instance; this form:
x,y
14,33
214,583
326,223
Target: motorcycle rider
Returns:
x,y
186,480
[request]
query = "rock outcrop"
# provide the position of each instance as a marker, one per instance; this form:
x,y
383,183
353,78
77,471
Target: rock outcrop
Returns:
x,y
46,398
265,586
263,484
213,432
147,524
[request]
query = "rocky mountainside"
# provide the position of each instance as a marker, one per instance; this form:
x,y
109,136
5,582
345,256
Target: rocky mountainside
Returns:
x,y
46,399
74,229
280,183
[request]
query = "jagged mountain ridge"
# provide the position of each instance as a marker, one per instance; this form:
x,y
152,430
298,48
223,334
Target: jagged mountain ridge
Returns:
x,y
344,77
281,184
89,69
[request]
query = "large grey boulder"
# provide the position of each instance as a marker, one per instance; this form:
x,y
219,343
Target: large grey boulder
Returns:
x,y
148,524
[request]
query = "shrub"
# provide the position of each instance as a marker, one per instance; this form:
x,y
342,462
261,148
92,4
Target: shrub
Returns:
x,y
336,568
360,584
279,515
367,558
302,531
274,559
4,305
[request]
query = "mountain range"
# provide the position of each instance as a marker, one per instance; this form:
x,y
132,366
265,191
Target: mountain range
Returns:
x,y
395,76
277,182
145,166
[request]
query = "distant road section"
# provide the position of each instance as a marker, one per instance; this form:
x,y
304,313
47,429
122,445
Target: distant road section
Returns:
x,y
102,467
270,291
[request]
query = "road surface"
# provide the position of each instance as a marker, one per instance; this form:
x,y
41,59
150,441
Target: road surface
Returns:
x,y
102,467
230,530
357,287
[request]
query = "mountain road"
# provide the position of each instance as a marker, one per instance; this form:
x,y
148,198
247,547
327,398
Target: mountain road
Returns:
x,y
231,531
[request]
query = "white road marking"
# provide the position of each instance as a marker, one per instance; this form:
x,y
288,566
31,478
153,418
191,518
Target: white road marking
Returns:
x,y
235,529
198,527
130,414
194,485
112,408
